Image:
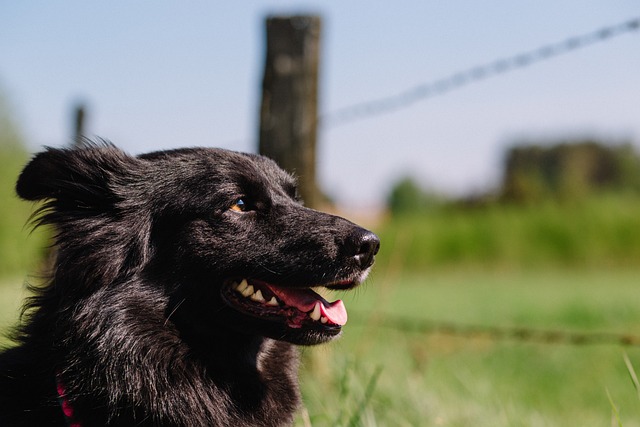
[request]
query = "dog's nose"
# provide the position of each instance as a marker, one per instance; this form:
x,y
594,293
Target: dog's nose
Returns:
x,y
365,246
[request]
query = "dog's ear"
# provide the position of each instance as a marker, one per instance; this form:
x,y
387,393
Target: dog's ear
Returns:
x,y
85,192
83,176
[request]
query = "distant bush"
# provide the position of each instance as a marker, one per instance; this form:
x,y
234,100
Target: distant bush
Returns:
x,y
600,231
569,170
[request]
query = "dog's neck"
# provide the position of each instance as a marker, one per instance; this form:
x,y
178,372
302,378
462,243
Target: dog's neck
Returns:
x,y
156,374
255,385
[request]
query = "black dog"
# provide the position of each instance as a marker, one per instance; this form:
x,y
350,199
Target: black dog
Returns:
x,y
181,280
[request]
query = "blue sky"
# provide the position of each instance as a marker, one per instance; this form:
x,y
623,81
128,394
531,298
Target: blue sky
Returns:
x,y
159,75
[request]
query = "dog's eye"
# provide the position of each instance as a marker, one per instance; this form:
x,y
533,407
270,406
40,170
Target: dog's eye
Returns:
x,y
240,205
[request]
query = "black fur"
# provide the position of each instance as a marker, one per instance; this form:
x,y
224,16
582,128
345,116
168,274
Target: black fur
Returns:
x,y
138,321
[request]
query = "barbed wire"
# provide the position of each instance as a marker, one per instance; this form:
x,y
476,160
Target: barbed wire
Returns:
x,y
524,334
455,81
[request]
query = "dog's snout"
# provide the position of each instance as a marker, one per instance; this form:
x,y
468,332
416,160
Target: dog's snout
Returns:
x,y
365,246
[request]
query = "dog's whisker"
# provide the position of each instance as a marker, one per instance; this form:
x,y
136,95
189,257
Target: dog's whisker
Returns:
x,y
269,269
173,311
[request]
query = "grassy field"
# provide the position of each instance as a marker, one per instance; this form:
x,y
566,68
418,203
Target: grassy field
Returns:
x,y
380,376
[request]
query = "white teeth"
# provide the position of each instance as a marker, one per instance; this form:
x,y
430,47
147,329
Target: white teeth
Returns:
x,y
240,287
324,319
315,314
258,296
248,291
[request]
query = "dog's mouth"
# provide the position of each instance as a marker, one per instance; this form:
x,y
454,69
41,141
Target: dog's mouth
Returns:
x,y
297,308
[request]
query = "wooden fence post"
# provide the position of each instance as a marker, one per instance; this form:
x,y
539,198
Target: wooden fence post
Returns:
x,y
78,123
288,113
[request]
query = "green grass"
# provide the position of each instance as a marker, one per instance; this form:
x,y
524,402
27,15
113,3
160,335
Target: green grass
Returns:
x,y
603,230
20,248
12,294
442,379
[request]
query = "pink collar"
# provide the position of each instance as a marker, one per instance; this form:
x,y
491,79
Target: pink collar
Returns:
x,y
67,409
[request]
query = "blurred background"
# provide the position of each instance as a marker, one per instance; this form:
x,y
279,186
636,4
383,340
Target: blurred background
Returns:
x,y
494,146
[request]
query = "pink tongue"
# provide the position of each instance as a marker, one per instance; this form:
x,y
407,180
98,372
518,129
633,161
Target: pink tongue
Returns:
x,y
306,299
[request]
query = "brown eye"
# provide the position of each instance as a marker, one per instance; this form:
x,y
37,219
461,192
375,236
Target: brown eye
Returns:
x,y
239,206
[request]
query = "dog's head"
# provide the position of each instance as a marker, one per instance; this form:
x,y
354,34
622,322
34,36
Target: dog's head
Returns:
x,y
220,234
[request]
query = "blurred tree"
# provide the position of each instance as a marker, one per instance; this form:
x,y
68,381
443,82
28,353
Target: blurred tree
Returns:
x,y
407,196
569,170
